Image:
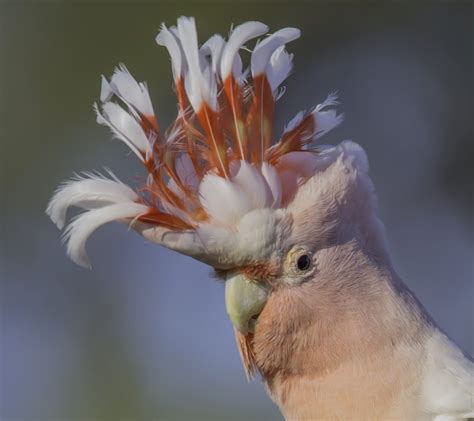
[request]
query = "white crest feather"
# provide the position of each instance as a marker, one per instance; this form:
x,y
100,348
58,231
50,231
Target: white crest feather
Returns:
x,y
168,39
213,48
297,119
330,101
78,231
281,65
197,89
239,36
106,92
239,75
133,93
124,127
263,51
209,77
89,191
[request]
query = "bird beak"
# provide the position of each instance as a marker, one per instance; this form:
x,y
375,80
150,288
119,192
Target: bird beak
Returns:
x,y
244,301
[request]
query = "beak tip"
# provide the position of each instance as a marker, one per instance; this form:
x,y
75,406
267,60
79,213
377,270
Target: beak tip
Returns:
x,y
239,322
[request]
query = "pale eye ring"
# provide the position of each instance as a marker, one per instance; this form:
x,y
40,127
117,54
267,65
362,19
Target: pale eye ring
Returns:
x,y
303,263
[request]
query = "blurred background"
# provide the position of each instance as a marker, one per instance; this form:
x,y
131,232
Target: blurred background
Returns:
x,y
144,335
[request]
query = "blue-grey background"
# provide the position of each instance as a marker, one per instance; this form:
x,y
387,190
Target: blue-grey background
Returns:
x,y
144,335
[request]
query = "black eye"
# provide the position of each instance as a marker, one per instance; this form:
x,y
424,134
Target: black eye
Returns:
x,y
303,262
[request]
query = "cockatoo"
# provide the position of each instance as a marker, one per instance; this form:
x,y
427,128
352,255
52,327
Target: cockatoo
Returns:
x,y
318,309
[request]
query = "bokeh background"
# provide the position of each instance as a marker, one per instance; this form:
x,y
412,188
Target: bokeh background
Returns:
x,y
144,335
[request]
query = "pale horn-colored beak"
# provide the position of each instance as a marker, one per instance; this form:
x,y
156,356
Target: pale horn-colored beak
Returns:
x,y
244,301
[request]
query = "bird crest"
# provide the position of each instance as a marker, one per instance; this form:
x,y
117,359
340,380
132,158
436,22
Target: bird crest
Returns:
x,y
218,161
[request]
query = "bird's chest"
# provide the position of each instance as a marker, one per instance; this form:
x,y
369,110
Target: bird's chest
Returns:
x,y
364,390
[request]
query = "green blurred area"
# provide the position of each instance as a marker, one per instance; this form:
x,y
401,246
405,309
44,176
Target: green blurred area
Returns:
x,y
52,56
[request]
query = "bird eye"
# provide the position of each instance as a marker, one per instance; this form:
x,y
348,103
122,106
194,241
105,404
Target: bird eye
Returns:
x,y
303,263
298,265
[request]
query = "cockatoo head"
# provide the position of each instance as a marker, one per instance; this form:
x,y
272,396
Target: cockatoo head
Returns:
x,y
267,213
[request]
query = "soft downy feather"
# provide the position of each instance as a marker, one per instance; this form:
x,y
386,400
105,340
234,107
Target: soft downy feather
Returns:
x,y
252,182
224,201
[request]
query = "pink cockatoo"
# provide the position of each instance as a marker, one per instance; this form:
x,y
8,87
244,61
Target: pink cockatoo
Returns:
x,y
319,312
